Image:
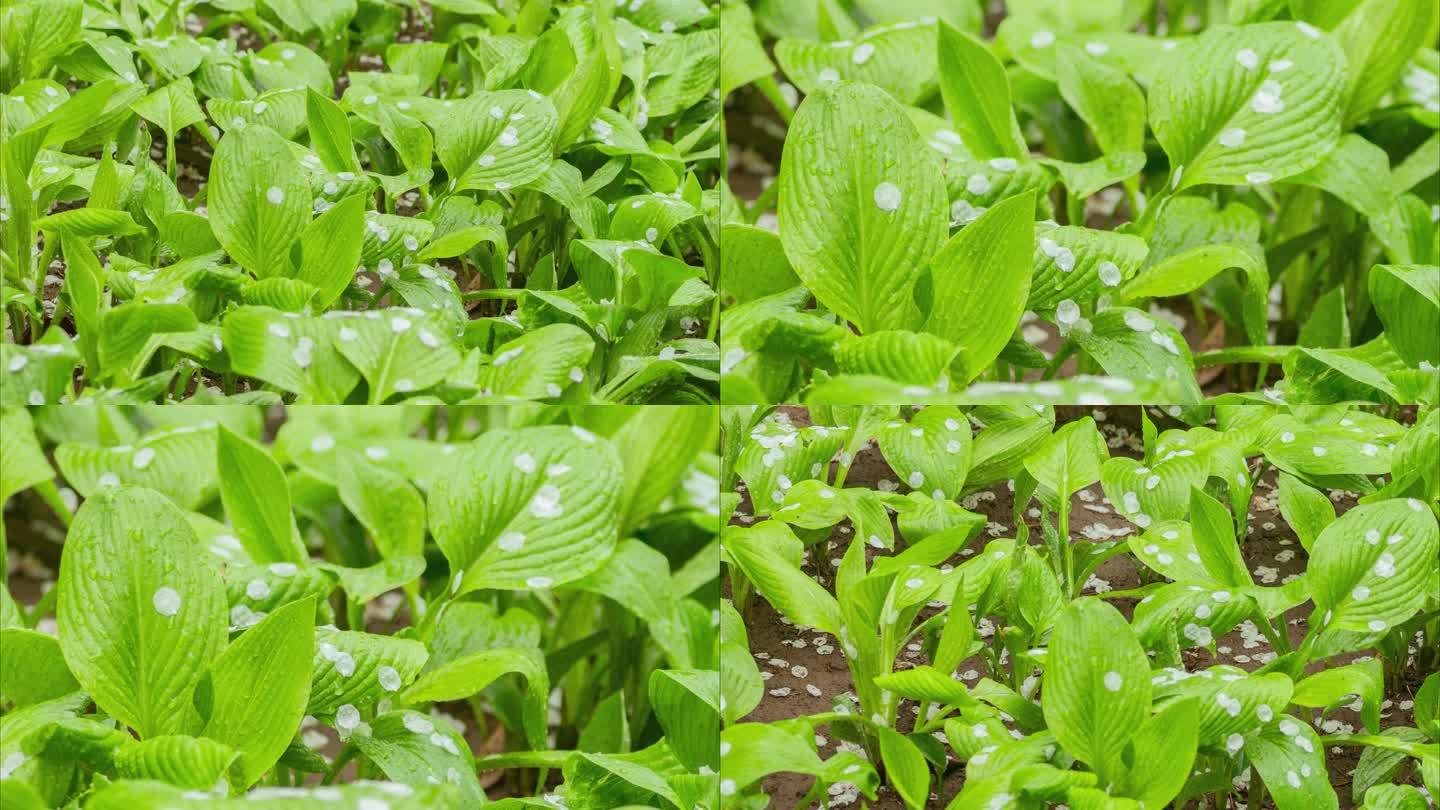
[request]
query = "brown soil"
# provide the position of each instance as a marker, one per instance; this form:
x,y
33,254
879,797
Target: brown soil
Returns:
x,y
788,658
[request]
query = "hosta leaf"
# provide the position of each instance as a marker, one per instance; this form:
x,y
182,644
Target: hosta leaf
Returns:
x,y
417,750
141,611
256,496
1080,264
1306,509
389,507
1248,104
1371,569
281,110
769,556
356,669
538,364
1232,703
1085,179
148,795
527,508
89,222
402,351
1337,448
175,462
44,375
330,133
468,676
497,140
861,205
687,704
1104,97
1157,492
914,358
977,95
189,762
1069,459
25,464
931,452
743,58
1378,39
292,353
1328,688
1163,751
259,199
1097,684
905,767
1291,759
172,107
330,249
899,59
1407,299
32,667
1168,549
1128,343
1215,541
980,281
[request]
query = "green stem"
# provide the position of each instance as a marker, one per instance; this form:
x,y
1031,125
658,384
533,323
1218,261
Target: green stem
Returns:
x,y
770,88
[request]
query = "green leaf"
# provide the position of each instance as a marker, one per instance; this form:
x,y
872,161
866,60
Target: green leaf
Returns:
x,y
295,354
330,250
1097,685
1104,97
385,503
553,355
172,107
1131,344
769,556
1349,172
175,462
527,509
141,611
1379,37
977,95
259,687
259,199
980,282
413,749
402,351
1291,759
931,452
189,762
742,56
899,59
1069,459
83,222
1248,104
32,667
1307,510
1371,569
687,704
905,767
256,495
497,140
357,669
1080,264
1162,753
470,675
1407,299
861,205
1330,687
657,447
1214,535
330,133
25,464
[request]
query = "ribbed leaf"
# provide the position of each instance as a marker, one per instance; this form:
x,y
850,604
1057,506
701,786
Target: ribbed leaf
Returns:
x,y
497,140
899,59
188,762
861,205
1291,760
256,496
1081,264
931,452
357,669
470,675
141,610
1373,567
259,199
687,704
175,462
527,508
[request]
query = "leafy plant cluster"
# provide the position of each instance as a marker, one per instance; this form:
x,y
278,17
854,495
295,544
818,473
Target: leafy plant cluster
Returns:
x,y
956,211
380,608
1091,701
359,201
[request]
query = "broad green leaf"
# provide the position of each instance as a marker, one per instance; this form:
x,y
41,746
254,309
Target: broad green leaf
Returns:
x,y
539,364
1163,751
1215,540
527,509
687,704
401,351
1364,679
356,669
931,452
294,354
977,95
256,496
1307,510
1131,344
415,749
913,358
656,447
467,676
175,462
172,107
1070,459
259,199
1371,569
1407,299
899,59
769,556
1097,685
189,762
330,133
1080,265
1349,172
980,281
32,667
259,687
330,249
1248,104
905,768
742,56
1104,97
24,464
1291,759
141,610
497,141
1379,37
82,222
861,205
389,507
